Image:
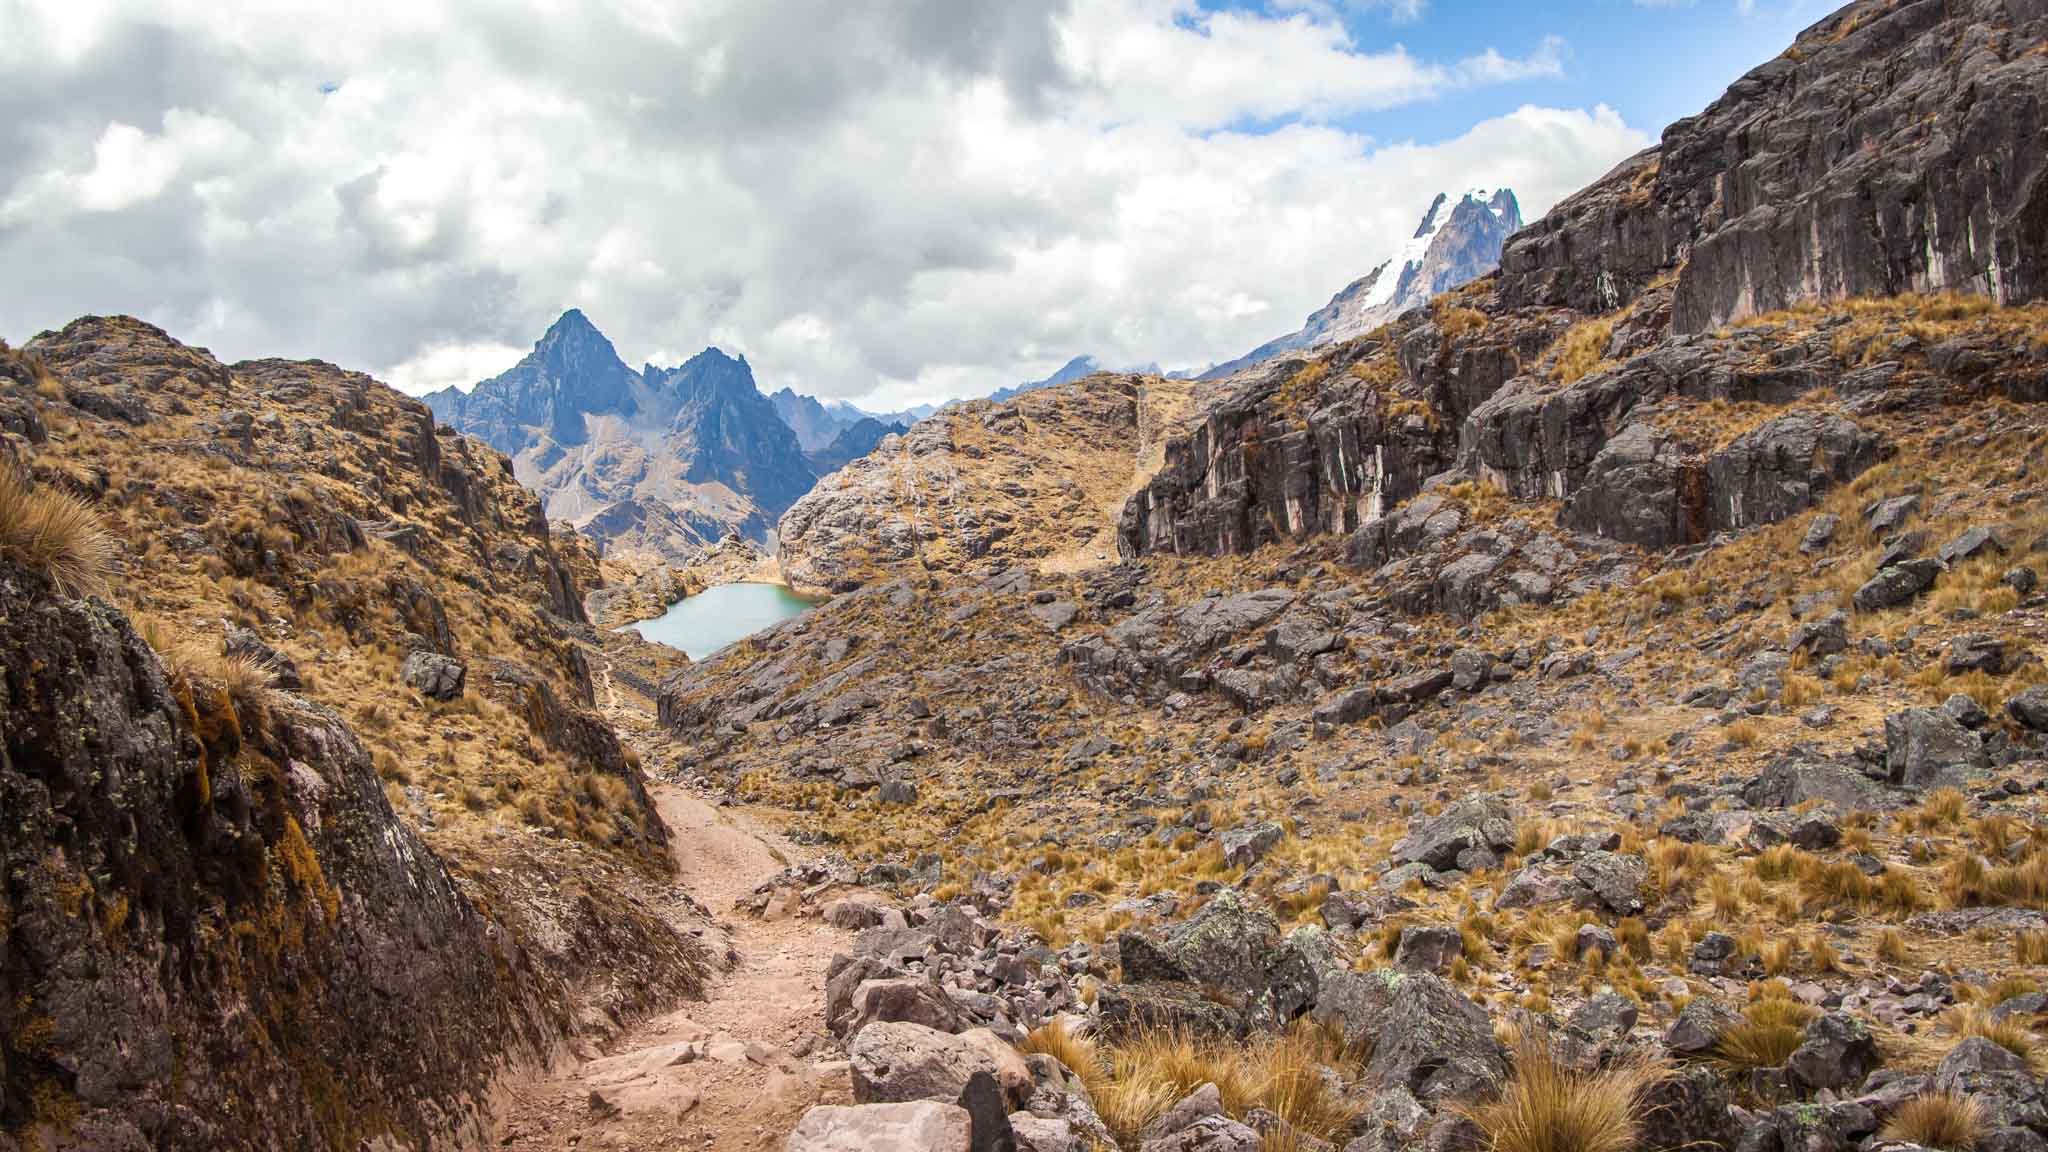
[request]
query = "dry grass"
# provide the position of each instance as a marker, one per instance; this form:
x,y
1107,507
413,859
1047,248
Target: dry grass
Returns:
x,y
54,533
1581,350
1967,1020
1944,1120
1134,1082
1772,1027
1551,1108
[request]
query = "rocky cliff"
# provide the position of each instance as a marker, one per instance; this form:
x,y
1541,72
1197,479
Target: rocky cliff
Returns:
x,y
218,933
661,461
1579,372
1457,242
1034,479
330,832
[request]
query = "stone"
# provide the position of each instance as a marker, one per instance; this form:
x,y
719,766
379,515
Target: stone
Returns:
x,y
284,673
1426,1037
1823,637
1209,1134
1247,844
1927,748
2029,708
1687,1109
1978,652
433,675
1966,711
1974,541
1888,516
1044,1134
1428,948
1615,879
895,1062
1698,1028
1204,1102
924,1125
1605,1016
907,999
1896,585
1479,822
1820,532
1837,1053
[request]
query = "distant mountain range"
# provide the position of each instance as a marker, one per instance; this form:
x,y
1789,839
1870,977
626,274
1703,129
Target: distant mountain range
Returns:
x,y
664,460
1456,242
667,461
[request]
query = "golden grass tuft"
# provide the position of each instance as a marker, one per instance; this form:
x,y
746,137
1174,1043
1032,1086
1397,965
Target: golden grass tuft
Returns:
x,y
1581,350
1945,1120
1135,1081
54,533
1967,1020
1548,1107
1772,1027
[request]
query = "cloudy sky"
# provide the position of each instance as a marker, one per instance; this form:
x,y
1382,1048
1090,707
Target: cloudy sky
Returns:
x,y
881,200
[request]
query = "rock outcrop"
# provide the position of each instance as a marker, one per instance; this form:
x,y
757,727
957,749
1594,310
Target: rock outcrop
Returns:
x,y
219,933
1033,479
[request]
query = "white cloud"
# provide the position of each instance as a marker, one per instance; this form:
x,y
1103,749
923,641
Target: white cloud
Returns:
x,y
893,202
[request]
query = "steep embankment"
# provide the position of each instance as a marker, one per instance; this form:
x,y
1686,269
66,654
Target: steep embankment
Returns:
x,y
1033,479
349,613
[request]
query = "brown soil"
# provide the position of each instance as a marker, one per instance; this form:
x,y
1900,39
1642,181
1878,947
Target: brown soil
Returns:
x,y
732,1072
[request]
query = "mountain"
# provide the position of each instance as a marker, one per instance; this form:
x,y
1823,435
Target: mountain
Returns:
x,y
1072,370
663,459
854,441
816,425
1457,242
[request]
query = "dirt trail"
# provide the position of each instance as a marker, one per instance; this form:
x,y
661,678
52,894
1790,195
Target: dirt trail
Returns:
x,y
734,1071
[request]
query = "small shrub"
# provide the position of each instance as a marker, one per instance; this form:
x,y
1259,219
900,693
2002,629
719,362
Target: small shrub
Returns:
x,y
1772,1027
54,533
1549,1107
1967,1020
1944,1120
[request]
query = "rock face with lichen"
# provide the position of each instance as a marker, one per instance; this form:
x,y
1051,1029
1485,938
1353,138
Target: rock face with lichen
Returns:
x,y
218,934
1577,372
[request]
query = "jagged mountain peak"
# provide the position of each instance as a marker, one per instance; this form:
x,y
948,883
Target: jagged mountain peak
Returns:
x,y
1457,241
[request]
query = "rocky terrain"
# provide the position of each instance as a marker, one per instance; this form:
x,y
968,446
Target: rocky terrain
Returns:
x,y
1455,244
1604,708
656,462
1031,480
314,831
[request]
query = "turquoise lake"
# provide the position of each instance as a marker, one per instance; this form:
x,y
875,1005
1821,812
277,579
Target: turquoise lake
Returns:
x,y
716,617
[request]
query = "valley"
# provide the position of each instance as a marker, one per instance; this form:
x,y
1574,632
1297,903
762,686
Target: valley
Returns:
x,y
1585,691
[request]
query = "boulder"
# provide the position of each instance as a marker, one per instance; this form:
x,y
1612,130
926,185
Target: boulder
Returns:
x,y
1247,844
1044,1134
895,1062
1927,748
1823,637
907,999
1837,1053
1426,1037
924,1125
1476,828
1797,778
1896,584
1615,879
433,675
1699,1026
1978,652
1428,948
1687,1109
2029,709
